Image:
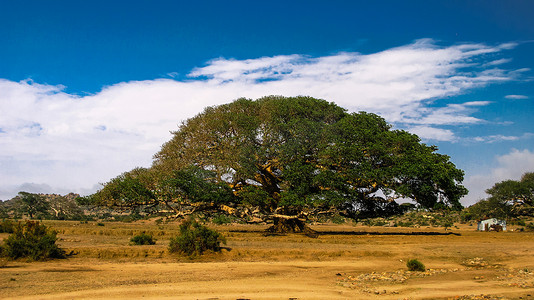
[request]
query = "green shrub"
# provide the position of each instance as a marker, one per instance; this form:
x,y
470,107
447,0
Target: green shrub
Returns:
x,y
337,219
7,226
221,219
415,265
143,239
195,239
32,240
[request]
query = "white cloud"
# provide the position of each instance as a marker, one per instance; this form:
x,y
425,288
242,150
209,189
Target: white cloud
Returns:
x,y
509,166
497,62
516,97
452,114
431,133
71,142
501,138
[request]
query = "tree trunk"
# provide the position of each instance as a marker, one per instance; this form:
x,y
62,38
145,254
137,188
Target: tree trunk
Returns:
x,y
291,224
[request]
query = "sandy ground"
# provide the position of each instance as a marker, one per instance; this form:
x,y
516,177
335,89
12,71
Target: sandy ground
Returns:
x,y
362,263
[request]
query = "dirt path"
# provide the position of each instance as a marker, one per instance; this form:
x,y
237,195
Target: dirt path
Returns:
x,y
251,280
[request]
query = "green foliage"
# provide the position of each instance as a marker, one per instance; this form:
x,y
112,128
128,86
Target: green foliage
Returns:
x,y
42,206
520,223
415,265
337,219
3,211
288,155
221,219
298,153
32,240
130,189
445,218
7,226
516,192
143,239
195,239
85,200
375,222
34,205
488,208
508,199
146,189
195,185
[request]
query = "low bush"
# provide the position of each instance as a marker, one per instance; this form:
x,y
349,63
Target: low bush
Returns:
x,y
415,265
32,240
7,226
143,239
221,219
195,239
520,222
375,222
337,219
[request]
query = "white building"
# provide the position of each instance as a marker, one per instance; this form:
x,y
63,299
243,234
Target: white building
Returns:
x,y
491,224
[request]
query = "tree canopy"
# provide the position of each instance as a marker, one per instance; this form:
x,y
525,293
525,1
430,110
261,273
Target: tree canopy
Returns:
x,y
34,205
290,155
516,192
508,198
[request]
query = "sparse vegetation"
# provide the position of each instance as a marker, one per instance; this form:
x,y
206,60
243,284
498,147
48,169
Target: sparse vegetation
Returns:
x,y
220,219
103,262
195,239
32,240
415,265
143,239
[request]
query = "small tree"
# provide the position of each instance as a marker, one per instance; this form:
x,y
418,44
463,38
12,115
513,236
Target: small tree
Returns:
x,y
32,240
34,205
195,239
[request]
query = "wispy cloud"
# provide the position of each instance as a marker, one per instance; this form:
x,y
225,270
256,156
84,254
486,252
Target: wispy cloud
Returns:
x,y
516,97
51,137
497,62
452,114
501,138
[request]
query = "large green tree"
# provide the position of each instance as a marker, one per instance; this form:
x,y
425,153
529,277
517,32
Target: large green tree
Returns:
x,y
508,199
513,197
291,157
520,192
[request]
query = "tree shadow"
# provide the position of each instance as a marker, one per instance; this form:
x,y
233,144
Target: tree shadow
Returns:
x,y
319,233
386,233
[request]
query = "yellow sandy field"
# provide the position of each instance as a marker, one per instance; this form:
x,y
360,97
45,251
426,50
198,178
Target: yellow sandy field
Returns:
x,y
344,262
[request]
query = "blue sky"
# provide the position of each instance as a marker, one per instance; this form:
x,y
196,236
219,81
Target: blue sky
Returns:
x,y
89,89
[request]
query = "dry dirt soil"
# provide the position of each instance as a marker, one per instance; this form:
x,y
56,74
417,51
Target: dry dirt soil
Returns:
x,y
344,262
